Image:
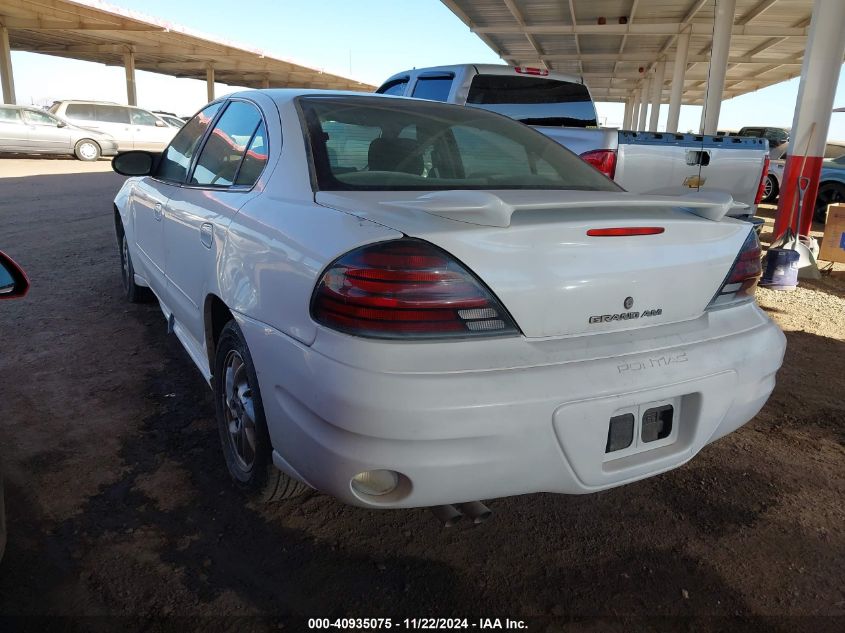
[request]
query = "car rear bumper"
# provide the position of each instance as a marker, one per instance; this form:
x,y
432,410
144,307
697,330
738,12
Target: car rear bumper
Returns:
x,y
483,419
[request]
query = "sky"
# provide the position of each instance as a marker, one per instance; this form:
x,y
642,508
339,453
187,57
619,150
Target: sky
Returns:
x,y
367,40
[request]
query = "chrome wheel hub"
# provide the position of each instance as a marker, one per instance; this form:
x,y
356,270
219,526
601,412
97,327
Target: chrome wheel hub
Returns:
x,y
239,410
87,150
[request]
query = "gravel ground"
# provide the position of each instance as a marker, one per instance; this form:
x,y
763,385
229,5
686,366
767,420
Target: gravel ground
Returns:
x,y
121,514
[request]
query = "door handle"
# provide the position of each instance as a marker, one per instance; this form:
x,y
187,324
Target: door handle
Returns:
x,y
157,213
207,234
698,157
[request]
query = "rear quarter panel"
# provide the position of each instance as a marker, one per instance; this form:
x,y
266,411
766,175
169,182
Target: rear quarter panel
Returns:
x,y
281,240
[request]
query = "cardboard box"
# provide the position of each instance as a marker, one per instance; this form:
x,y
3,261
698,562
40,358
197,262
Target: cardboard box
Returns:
x,y
833,244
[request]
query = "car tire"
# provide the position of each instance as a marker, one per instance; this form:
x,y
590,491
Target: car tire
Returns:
x,y
242,425
771,189
134,293
87,150
829,192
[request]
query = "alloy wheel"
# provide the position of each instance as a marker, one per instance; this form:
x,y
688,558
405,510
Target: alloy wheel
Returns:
x,y
239,410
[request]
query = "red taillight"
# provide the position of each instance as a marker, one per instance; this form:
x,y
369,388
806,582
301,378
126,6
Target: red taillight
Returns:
x,y
602,159
406,289
624,231
744,274
762,186
527,70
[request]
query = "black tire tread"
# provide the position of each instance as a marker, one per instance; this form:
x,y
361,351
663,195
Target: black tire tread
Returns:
x,y
268,484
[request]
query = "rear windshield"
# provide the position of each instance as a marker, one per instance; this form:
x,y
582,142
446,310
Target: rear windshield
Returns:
x,y
534,100
389,144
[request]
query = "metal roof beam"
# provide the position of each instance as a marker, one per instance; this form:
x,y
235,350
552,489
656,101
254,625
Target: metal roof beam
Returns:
x,y
38,24
641,28
759,9
646,57
519,20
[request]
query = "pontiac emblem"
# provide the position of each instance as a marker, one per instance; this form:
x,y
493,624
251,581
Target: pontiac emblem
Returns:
x,y
629,303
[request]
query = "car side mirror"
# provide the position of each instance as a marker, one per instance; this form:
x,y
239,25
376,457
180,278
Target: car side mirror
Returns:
x,y
61,124
13,281
160,123
134,163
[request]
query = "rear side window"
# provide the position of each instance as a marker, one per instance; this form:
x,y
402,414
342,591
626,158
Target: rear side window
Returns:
x,y
435,88
177,157
10,115
39,118
83,111
142,117
534,100
111,114
223,152
254,159
395,87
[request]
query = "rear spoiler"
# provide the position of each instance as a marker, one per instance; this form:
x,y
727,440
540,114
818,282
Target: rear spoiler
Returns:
x,y
489,209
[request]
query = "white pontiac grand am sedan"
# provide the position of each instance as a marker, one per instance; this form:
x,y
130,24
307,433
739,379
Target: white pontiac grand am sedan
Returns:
x,y
403,303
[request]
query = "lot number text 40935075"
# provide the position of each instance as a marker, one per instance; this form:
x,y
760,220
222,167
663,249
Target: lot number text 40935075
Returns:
x,y
431,624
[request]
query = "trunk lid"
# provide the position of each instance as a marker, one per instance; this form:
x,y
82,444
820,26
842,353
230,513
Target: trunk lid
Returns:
x,y
552,277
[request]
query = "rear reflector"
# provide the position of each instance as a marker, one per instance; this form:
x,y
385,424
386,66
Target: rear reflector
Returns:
x,y
624,231
406,289
602,159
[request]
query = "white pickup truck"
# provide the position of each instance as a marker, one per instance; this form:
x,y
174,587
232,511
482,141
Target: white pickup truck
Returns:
x,y
560,106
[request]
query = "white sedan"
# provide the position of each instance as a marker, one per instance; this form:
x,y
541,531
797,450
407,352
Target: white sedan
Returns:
x,y
403,303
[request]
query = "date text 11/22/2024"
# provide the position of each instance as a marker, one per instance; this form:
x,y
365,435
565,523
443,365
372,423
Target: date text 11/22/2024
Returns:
x,y
431,624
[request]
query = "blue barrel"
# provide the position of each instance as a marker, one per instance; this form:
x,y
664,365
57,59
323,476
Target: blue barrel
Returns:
x,y
781,269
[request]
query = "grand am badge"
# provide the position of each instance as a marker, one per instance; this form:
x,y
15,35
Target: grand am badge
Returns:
x,y
626,316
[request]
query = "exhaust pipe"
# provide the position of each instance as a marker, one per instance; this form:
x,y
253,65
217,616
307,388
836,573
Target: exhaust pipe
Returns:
x,y
476,511
448,515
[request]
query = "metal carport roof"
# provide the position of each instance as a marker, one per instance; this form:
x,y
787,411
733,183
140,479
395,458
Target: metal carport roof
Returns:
x,y
98,32
613,43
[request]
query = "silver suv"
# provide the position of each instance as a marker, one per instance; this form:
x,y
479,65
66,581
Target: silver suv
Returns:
x,y
132,128
29,130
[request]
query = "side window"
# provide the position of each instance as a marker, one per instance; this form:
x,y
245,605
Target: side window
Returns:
x,y
39,118
433,88
395,87
142,117
82,111
220,157
254,159
111,114
177,157
10,115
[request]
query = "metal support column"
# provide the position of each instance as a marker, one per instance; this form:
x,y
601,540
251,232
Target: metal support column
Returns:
x,y
6,77
819,76
644,89
626,117
129,65
209,82
723,27
680,70
656,94
635,112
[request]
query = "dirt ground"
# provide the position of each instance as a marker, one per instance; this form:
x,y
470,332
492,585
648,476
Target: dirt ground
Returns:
x,y
121,515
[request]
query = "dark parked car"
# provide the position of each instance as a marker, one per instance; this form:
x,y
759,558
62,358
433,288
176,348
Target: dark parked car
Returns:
x,y
13,285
